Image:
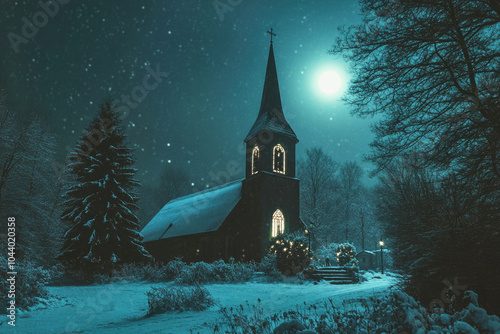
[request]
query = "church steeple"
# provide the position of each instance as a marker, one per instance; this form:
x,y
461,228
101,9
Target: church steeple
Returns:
x,y
271,141
271,115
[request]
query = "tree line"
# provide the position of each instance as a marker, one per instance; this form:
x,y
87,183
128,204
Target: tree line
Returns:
x,y
335,203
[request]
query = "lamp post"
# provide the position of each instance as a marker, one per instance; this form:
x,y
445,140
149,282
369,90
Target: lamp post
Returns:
x,y
382,255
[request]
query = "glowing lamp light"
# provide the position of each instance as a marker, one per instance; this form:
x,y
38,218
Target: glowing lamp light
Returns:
x,y
381,256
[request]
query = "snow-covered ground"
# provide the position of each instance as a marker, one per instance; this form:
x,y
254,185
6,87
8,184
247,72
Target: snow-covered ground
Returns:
x,y
121,307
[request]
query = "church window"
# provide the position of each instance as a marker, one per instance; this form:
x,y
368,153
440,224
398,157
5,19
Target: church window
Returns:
x,y
255,159
278,223
279,159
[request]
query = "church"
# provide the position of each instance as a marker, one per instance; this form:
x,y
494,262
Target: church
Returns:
x,y
238,219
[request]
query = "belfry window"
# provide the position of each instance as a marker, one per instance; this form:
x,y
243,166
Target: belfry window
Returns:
x,y
255,159
278,223
279,159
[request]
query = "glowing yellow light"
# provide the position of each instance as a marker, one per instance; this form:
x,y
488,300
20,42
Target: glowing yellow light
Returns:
x,y
279,159
255,159
278,223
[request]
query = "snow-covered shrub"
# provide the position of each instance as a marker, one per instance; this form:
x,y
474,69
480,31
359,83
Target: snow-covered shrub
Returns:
x,y
242,272
194,273
57,274
217,272
346,253
163,299
292,254
30,283
401,312
470,316
393,313
269,266
291,326
353,271
173,268
324,252
151,272
176,270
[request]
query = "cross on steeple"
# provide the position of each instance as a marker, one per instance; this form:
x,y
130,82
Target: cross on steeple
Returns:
x,y
272,34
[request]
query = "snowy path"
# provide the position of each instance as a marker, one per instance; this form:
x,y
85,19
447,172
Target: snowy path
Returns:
x,y
120,307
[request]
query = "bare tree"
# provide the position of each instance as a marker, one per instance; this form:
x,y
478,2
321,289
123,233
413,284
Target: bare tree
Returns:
x,y
349,188
432,69
318,181
29,190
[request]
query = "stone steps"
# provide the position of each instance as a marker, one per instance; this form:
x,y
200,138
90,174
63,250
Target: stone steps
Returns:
x,y
334,275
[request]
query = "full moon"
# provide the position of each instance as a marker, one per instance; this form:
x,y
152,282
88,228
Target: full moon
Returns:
x,y
330,83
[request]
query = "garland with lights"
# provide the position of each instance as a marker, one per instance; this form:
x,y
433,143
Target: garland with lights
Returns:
x,y
292,253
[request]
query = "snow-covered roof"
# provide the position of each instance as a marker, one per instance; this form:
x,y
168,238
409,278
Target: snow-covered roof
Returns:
x,y
365,251
201,212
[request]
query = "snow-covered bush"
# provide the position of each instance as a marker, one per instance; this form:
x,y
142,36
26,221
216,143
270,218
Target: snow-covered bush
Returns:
x,y
163,299
269,266
352,269
393,313
173,268
176,270
292,254
30,283
346,253
151,272
324,252
217,272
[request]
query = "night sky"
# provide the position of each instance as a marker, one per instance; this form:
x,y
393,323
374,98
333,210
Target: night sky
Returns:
x,y
198,116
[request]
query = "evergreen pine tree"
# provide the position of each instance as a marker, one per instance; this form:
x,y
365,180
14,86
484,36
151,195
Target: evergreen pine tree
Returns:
x,y
100,206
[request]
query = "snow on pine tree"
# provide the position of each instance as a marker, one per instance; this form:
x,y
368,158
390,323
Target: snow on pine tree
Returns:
x,y
100,206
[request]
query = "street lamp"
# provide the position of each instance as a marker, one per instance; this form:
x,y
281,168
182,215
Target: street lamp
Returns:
x,y
382,255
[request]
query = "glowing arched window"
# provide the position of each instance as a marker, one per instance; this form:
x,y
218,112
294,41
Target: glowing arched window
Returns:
x,y
255,159
279,159
278,223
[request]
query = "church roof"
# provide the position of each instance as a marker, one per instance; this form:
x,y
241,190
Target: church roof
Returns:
x,y
271,115
201,212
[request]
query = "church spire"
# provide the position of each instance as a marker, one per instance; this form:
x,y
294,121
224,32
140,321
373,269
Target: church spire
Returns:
x,y
271,115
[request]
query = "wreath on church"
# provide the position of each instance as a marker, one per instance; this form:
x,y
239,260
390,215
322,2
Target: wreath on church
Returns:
x,y
292,253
